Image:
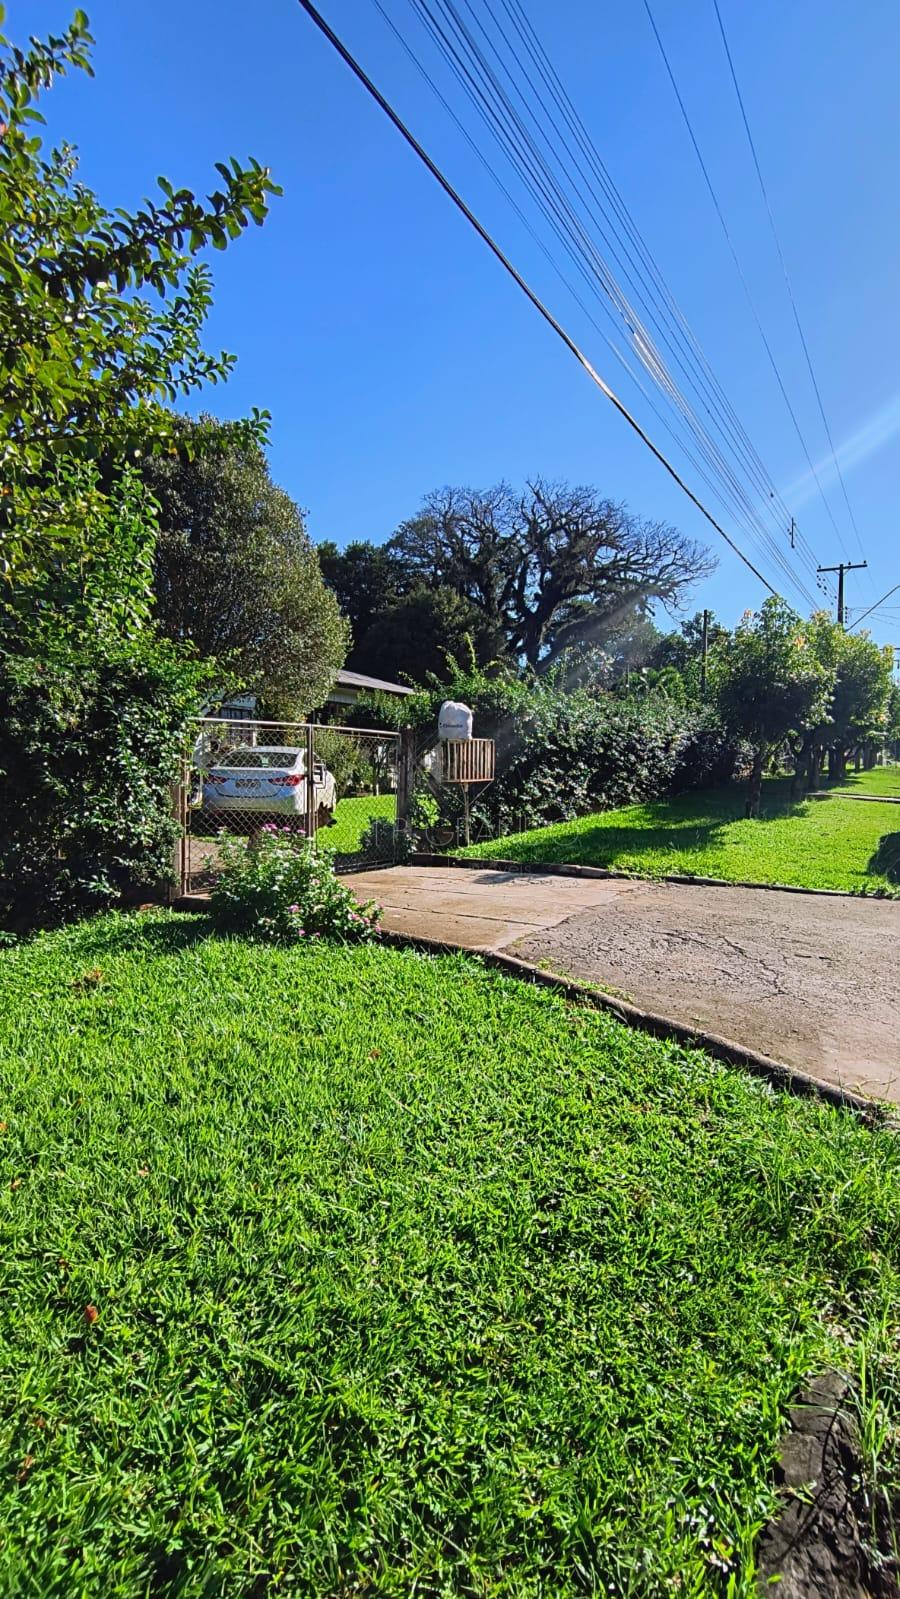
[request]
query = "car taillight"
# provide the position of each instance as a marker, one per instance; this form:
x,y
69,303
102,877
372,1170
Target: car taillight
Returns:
x,y
289,779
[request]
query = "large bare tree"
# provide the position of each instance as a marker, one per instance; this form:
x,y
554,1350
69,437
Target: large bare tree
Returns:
x,y
549,567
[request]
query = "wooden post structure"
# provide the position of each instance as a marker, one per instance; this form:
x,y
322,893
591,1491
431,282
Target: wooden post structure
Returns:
x,y
470,761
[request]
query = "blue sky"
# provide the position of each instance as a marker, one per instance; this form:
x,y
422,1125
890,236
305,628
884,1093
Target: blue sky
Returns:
x,y
394,354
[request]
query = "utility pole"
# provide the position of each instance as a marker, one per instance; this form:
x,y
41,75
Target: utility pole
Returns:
x,y
841,568
705,655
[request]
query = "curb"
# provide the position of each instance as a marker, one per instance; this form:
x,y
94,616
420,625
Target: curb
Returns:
x,y
867,799
564,869
788,1078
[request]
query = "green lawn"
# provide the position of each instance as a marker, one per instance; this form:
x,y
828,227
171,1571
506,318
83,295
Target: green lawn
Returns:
x,y
834,842
409,1280
881,780
352,817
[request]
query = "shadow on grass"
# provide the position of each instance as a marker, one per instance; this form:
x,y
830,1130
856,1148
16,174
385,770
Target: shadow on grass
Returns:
x,y
165,933
603,846
686,824
886,860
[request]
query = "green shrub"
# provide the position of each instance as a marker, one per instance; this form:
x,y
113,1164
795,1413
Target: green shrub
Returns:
x,y
571,754
278,887
91,737
886,858
383,840
564,751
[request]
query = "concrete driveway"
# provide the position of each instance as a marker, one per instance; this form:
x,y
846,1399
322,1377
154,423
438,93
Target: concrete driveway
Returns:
x,y
812,981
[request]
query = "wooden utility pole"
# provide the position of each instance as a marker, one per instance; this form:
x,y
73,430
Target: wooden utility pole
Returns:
x,y
841,568
704,658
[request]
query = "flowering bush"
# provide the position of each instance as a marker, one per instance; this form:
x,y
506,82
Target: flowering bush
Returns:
x,y
278,887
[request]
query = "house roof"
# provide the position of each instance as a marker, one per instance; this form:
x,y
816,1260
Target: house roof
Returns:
x,y
373,684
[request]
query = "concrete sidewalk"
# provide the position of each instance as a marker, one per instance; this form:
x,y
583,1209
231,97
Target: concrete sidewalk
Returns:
x,y
812,982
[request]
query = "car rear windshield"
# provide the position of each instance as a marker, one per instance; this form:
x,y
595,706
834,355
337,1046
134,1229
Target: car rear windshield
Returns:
x,y
257,759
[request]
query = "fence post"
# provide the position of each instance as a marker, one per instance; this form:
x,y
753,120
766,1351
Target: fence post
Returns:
x,y
310,784
180,860
406,767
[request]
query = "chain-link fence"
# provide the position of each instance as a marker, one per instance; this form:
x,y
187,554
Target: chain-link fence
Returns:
x,y
335,785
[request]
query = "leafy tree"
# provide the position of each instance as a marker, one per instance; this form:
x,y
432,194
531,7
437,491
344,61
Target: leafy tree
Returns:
x,y
235,572
630,642
368,579
101,590
101,314
770,684
855,714
414,636
858,709
548,568
684,649
892,720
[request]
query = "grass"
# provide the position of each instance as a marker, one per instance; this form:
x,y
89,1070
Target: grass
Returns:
x,y
352,817
834,842
881,780
405,1278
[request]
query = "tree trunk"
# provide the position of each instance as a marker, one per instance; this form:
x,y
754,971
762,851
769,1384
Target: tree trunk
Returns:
x,y
756,777
813,768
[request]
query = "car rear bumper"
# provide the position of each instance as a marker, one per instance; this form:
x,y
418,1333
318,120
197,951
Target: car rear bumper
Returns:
x,y
269,805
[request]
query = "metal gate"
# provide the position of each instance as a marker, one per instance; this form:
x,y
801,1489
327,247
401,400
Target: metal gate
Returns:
x,y
344,788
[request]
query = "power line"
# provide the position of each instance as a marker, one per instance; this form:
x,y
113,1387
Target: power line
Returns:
x,y
492,103
452,194
550,77
673,332
787,277
741,274
494,175
875,607
469,66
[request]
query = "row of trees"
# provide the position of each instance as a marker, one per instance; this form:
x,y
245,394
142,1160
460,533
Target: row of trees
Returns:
x,y
593,730
804,689
558,581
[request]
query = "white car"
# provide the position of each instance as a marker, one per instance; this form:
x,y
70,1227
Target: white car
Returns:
x,y
268,779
